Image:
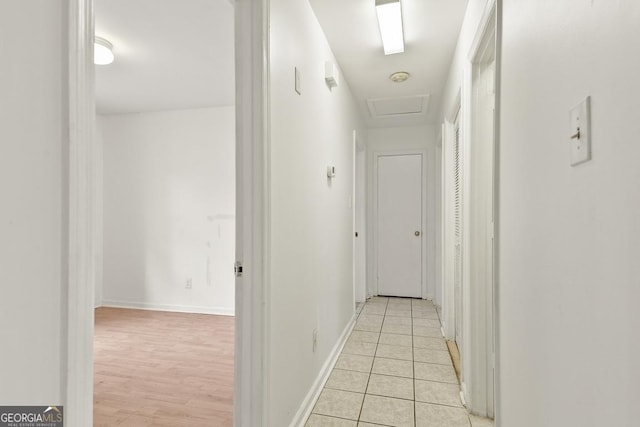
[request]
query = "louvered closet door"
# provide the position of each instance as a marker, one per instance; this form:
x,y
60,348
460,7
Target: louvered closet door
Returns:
x,y
457,276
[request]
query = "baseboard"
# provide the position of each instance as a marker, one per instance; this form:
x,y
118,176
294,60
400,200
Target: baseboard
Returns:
x,y
220,311
463,394
310,400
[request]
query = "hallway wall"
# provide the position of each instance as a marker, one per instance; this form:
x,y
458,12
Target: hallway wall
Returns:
x,y
569,236
398,139
169,209
311,240
33,184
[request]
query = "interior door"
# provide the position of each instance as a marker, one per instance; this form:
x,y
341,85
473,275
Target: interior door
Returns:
x,y
399,225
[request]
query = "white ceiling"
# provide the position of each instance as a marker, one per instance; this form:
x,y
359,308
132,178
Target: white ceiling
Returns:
x,y
431,29
170,54
177,54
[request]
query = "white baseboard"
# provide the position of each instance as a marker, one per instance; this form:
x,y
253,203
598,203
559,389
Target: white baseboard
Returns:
x,y
463,394
310,399
220,311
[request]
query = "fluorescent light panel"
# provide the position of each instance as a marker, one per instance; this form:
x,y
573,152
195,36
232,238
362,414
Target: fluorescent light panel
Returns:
x,y
390,22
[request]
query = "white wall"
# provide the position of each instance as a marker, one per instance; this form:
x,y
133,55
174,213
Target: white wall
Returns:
x,y
569,236
405,138
169,209
33,137
311,223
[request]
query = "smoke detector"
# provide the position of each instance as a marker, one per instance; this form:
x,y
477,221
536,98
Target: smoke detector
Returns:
x,y
399,77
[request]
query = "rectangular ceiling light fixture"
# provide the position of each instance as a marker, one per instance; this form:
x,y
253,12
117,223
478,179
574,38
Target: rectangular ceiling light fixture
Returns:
x,y
390,22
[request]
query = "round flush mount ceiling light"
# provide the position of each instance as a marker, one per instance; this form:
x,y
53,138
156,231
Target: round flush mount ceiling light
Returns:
x,y
399,77
102,51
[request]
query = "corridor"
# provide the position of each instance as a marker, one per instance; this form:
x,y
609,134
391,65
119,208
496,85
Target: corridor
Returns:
x,y
394,370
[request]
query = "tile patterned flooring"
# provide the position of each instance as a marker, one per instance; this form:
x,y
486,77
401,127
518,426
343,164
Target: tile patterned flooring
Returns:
x,y
394,370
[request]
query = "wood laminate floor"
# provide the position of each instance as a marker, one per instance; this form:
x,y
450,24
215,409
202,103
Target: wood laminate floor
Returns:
x,y
162,369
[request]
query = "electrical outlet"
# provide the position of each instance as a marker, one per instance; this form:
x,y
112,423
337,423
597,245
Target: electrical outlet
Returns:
x,y
188,284
315,340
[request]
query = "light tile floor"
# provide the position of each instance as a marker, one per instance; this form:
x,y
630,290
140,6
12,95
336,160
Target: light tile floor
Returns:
x,y
394,370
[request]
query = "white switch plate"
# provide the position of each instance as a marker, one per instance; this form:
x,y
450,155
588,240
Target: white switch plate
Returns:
x,y
297,85
581,126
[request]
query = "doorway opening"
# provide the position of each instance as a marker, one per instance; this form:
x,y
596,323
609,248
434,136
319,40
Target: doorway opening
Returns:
x,y
469,213
251,21
165,156
361,291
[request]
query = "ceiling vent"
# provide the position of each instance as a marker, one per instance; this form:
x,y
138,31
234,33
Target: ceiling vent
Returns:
x,y
404,106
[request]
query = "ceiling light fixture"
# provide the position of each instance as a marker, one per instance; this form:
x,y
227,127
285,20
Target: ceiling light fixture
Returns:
x,y
390,23
102,51
399,77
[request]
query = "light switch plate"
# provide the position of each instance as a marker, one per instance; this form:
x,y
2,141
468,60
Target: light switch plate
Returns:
x,y
580,135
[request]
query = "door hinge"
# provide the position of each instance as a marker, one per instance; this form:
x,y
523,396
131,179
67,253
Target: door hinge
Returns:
x,y
237,269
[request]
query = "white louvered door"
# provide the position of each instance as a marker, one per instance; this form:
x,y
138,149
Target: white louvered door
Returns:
x,y
457,275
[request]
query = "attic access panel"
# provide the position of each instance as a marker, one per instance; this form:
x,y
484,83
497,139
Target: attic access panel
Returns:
x,y
404,106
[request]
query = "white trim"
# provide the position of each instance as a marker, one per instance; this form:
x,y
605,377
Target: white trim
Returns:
x,y
496,222
477,366
352,206
311,398
374,234
219,311
488,15
79,309
452,117
463,393
251,407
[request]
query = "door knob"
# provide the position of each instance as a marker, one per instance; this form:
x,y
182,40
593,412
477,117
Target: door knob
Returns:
x,y
417,233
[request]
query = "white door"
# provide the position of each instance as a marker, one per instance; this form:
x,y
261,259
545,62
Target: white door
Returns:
x,y
399,225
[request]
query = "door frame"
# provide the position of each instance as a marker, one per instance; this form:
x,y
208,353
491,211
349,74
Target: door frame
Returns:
x,y
424,225
78,329
251,382
360,214
252,198
479,300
